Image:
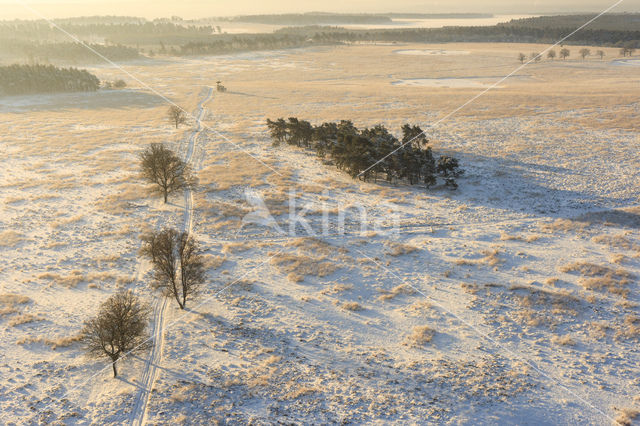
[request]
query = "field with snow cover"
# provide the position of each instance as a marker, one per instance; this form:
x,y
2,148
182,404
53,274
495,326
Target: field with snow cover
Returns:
x,y
511,300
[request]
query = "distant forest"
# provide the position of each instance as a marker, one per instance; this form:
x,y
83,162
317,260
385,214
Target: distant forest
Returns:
x,y
491,34
124,38
617,22
31,79
69,53
312,19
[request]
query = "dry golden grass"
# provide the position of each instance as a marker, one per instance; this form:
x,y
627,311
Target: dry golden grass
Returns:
x,y
398,249
352,306
336,289
507,237
182,393
8,310
61,342
543,307
122,230
616,241
587,269
401,289
13,299
234,169
317,246
563,225
213,262
298,392
551,281
220,208
598,330
23,319
109,259
119,200
298,266
10,238
490,258
312,259
618,258
420,336
9,302
630,328
233,247
70,280
626,416
597,277
563,340
242,285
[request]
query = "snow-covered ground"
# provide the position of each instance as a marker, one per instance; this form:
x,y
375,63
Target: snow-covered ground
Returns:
x,y
511,300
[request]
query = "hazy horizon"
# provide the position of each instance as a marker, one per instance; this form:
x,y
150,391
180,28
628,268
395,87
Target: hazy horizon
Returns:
x,y
199,8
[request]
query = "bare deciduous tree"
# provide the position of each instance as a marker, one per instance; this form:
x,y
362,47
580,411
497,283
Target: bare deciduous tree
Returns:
x,y
178,265
535,57
601,54
564,53
522,57
165,170
177,115
119,328
551,55
585,52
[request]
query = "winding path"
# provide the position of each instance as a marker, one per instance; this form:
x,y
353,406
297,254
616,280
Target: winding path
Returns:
x,y
148,379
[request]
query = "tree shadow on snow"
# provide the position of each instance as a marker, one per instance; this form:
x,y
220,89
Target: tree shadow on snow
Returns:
x,y
540,190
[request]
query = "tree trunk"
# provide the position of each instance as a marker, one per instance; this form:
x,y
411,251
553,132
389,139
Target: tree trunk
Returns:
x,y
115,370
165,196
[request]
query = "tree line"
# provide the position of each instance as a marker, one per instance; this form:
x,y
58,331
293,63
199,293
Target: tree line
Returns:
x,y
30,79
120,326
372,153
248,42
487,34
180,37
44,52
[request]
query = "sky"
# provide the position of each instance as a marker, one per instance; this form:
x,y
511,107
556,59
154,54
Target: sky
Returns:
x,y
10,9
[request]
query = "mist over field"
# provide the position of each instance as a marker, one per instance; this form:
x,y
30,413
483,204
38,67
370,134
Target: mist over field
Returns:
x,y
258,213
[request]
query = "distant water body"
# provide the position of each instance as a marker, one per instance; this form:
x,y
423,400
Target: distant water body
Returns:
x,y
443,22
242,27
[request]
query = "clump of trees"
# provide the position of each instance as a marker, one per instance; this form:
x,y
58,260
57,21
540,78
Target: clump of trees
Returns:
x,y
167,172
30,79
176,115
372,153
628,50
177,262
118,329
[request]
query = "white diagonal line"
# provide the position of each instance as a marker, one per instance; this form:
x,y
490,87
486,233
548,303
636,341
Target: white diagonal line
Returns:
x,y
145,85
493,86
484,335
170,325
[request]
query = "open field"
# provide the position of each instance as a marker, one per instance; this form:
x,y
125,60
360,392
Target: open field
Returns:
x,y
513,299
